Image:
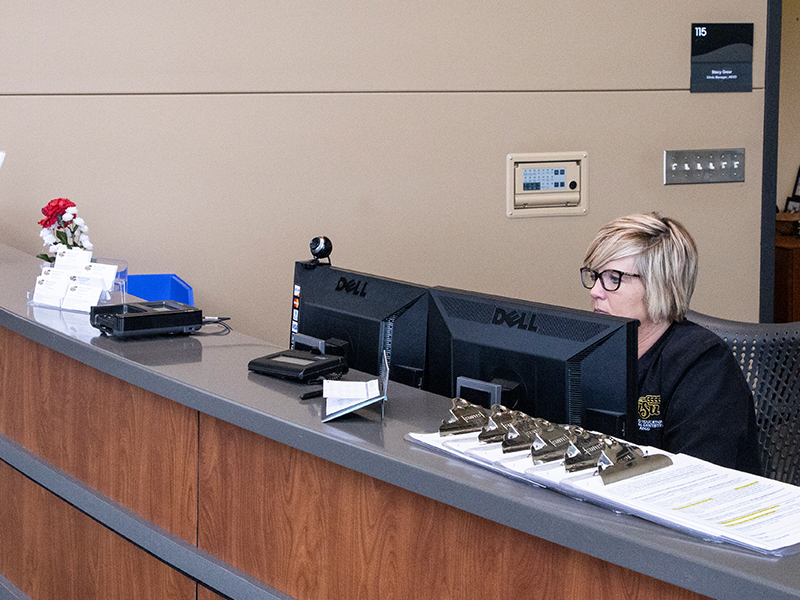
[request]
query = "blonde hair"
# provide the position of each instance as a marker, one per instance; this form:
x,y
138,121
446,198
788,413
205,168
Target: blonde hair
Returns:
x,y
666,260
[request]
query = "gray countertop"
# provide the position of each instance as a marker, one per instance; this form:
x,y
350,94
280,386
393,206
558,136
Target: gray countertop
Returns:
x,y
209,373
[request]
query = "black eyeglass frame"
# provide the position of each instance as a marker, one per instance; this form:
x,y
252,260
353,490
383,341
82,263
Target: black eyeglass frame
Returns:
x,y
595,275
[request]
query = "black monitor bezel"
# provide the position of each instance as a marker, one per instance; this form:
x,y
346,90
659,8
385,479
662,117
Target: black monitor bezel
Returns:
x,y
605,405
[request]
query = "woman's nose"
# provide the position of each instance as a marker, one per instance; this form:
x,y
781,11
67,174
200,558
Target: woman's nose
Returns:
x,y
597,291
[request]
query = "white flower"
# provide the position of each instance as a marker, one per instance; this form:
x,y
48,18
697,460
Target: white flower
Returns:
x,y
47,237
67,216
87,245
78,221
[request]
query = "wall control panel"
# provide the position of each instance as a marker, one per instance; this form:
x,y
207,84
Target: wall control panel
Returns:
x,y
703,166
546,184
554,183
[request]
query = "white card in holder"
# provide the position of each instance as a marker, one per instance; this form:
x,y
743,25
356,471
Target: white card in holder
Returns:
x,y
82,296
72,258
49,291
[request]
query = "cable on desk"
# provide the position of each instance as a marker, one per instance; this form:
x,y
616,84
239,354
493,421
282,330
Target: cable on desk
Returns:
x,y
225,328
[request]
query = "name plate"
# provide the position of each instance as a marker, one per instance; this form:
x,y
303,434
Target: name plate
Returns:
x,y
722,57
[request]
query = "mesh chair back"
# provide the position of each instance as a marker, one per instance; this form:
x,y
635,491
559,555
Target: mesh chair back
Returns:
x,y
769,355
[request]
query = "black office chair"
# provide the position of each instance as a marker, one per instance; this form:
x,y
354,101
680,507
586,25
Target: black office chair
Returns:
x,y
769,355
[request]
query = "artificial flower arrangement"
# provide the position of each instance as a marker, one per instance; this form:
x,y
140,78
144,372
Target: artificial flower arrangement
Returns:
x,y
62,228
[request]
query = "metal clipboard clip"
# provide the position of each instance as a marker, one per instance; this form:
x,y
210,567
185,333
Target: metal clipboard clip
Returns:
x,y
620,461
584,450
551,442
464,417
498,424
521,433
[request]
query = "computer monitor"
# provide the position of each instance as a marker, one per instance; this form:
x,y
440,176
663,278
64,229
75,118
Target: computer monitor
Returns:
x,y
565,365
362,316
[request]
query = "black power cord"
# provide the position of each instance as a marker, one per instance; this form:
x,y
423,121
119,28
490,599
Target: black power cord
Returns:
x,y
220,321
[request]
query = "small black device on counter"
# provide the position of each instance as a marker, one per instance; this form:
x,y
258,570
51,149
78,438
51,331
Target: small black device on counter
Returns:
x,y
298,364
140,319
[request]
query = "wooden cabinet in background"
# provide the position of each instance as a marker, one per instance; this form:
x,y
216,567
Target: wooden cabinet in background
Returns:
x,y
787,279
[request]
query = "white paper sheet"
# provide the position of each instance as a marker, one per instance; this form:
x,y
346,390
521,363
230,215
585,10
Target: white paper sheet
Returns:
x,y
340,395
713,501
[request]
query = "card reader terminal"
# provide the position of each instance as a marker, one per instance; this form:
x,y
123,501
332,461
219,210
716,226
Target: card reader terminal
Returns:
x,y
298,364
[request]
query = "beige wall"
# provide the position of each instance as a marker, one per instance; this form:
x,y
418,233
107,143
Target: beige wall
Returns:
x,y
214,140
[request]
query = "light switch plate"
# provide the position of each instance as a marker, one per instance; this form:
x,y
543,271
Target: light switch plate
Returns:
x,y
703,166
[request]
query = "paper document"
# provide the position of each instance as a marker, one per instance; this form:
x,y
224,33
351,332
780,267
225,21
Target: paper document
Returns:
x,y
341,394
691,495
709,500
343,397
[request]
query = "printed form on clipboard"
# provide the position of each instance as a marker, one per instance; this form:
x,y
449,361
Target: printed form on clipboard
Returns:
x,y
343,397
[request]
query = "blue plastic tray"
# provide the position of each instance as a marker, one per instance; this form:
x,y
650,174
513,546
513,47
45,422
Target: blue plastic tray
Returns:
x,y
160,286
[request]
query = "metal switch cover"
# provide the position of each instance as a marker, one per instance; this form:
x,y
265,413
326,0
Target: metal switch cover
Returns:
x,y
703,166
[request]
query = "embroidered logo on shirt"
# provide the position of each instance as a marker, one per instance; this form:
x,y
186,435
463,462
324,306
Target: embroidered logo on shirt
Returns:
x,y
649,409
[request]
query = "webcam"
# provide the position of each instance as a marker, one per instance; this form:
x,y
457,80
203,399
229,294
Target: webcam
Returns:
x,y
321,248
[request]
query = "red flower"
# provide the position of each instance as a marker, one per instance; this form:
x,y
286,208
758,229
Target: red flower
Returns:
x,y
53,210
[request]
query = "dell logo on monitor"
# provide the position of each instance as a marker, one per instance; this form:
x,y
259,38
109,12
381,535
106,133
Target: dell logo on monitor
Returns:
x,y
518,319
352,286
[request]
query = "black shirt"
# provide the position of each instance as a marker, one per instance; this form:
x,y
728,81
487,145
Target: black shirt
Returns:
x,y
693,399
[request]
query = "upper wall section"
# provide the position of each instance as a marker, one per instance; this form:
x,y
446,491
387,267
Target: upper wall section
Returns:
x,y
281,46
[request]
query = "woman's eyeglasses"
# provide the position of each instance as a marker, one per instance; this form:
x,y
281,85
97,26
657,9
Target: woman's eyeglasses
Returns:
x,y
610,279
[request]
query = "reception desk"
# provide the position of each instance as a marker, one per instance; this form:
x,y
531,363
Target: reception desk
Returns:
x,y
162,468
